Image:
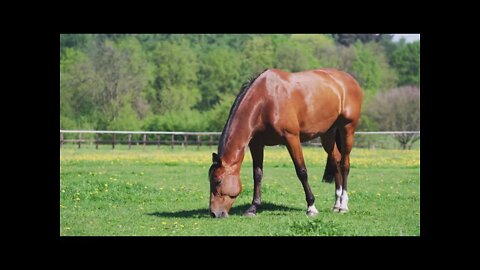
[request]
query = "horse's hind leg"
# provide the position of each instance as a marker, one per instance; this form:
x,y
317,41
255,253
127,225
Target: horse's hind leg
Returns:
x,y
345,138
332,169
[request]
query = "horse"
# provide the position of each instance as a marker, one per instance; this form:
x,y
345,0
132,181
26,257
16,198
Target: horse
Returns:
x,y
283,108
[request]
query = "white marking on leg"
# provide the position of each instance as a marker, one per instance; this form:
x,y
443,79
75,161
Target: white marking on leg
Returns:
x,y
312,211
344,201
338,195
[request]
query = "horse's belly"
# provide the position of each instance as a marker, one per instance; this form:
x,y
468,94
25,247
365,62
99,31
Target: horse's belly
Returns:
x,y
310,130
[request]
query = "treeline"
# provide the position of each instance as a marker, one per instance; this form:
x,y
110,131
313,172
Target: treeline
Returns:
x,y
187,82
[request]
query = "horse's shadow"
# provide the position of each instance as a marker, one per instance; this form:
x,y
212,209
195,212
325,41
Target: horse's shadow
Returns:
x,y
235,210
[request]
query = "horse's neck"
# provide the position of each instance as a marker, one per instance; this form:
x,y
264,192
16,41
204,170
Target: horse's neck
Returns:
x,y
239,135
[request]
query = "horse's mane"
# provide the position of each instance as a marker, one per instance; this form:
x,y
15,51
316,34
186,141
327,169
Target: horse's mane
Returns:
x,y
244,89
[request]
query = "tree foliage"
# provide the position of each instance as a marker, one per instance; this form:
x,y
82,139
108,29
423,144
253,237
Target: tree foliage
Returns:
x,y
189,81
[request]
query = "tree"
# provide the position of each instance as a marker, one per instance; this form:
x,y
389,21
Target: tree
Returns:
x,y
397,110
221,73
406,59
372,70
176,72
124,74
293,56
78,81
259,53
349,39
218,115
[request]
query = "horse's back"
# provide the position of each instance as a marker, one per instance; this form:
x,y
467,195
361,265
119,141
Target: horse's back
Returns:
x,y
310,102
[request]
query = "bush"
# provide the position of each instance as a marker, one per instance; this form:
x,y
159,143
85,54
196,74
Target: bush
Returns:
x,y
397,110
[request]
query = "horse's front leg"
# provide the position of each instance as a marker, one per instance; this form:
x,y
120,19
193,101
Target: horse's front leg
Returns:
x,y
295,149
257,156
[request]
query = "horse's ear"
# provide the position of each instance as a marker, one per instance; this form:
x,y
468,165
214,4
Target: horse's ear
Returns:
x,y
216,159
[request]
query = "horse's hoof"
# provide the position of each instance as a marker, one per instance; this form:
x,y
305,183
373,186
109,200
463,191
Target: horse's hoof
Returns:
x,y
249,214
343,210
336,209
312,211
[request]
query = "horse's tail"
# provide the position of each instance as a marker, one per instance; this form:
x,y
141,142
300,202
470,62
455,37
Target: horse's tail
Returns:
x,y
330,169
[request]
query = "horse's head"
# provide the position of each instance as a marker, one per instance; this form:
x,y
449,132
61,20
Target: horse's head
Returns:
x,y
225,186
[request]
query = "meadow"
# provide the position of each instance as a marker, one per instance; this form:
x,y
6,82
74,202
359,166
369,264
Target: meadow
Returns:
x,y
165,192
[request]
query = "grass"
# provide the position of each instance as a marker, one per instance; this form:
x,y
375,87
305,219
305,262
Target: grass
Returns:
x,y
164,192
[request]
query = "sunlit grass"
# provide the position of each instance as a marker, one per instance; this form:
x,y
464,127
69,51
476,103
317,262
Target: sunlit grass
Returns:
x,y
165,192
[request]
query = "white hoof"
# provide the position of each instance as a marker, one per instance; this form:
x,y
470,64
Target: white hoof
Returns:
x,y
335,209
312,211
343,210
249,214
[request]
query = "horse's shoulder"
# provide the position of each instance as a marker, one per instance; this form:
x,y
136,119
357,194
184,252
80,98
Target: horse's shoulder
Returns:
x,y
273,72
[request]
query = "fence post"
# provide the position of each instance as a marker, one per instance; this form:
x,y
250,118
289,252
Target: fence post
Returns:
x,y
173,140
96,140
113,141
61,139
198,142
144,140
211,142
158,141
129,141
79,139
185,141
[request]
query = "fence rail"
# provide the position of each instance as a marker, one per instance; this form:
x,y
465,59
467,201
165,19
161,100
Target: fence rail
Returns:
x,y
169,137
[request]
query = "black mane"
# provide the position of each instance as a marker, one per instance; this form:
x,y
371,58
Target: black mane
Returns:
x,y
236,103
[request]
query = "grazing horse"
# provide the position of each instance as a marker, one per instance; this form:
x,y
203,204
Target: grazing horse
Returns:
x,y
279,107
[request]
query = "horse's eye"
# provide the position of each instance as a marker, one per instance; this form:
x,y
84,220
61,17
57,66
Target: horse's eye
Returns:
x,y
217,182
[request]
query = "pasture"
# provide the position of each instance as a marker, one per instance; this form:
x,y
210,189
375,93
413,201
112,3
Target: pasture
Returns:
x,y
165,192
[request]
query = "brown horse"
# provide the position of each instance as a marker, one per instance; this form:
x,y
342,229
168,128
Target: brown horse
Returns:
x,y
279,107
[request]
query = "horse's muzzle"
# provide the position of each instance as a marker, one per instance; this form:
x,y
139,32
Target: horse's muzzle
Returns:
x,y
220,214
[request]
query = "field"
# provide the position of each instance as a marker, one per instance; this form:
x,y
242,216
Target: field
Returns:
x,y
165,192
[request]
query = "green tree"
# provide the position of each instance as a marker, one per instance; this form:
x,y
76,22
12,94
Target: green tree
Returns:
x,y
176,75
349,39
78,81
372,70
406,59
221,73
218,115
259,53
124,74
126,120
293,56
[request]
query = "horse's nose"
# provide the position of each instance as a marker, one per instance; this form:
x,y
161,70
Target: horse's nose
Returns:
x,y
220,214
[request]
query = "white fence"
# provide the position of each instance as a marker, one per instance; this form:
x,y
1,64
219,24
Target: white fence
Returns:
x,y
172,137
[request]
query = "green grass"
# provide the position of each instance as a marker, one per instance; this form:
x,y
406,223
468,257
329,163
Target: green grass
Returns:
x,y
165,192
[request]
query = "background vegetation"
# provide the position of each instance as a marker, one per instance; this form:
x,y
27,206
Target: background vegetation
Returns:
x,y
187,82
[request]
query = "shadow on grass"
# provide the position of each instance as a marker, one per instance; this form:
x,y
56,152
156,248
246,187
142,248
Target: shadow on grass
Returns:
x,y
235,210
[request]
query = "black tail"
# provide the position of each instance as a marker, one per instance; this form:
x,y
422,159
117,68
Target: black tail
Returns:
x,y
331,169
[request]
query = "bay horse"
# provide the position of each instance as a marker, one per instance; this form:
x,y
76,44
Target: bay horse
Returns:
x,y
283,108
